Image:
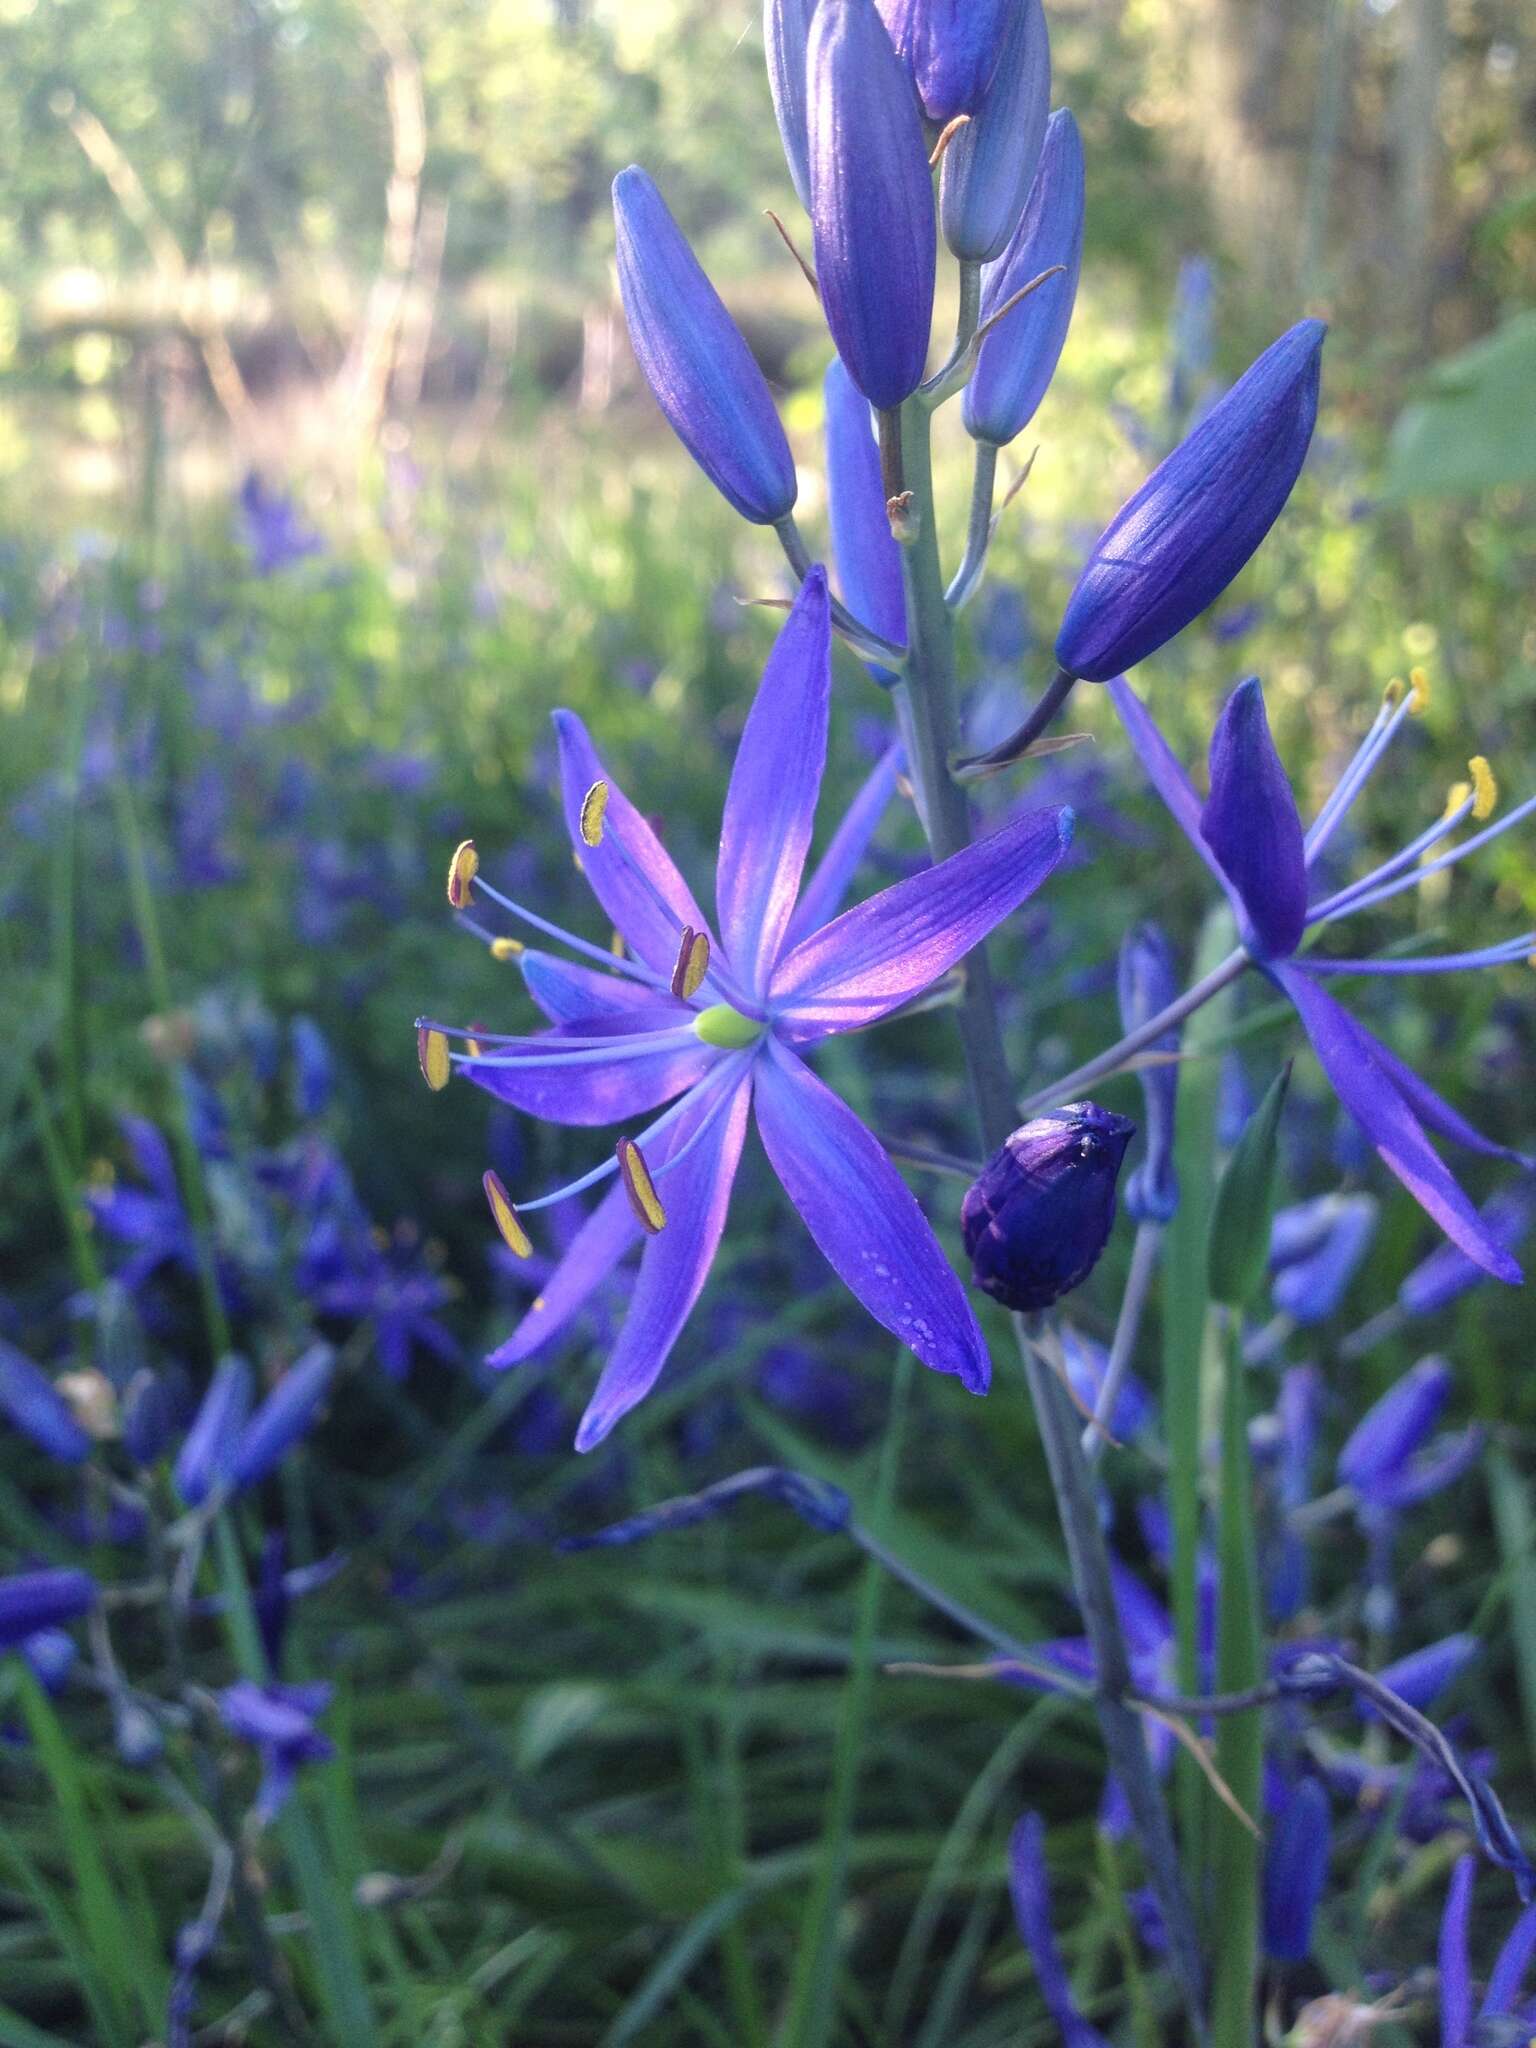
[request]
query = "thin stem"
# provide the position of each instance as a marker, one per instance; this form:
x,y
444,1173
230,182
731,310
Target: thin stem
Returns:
x,y
1133,1302
1019,742
935,391
978,537
864,639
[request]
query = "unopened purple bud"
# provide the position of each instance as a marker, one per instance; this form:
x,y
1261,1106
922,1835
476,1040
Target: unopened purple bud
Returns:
x,y
204,1460
1040,1212
1445,1461
990,162
1295,1868
33,1601
1420,1678
1448,1273
149,1417
786,39
1147,984
950,47
871,202
30,1400
1314,1251
1251,824
51,1656
863,546
1018,359
692,355
285,1415
1175,546
1396,1426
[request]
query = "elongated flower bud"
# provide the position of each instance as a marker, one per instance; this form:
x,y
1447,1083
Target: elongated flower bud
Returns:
x,y
1295,1867
1176,545
1395,1427
990,162
1039,1214
1448,1273
1421,1676
1018,359
149,1417
950,47
694,359
37,1600
204,1460
867,557
1148,983
871,202
284,1416
1314,1250
30,1400
786,39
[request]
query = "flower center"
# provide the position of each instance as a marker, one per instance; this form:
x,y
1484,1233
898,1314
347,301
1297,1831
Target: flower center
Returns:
x,y
721,1025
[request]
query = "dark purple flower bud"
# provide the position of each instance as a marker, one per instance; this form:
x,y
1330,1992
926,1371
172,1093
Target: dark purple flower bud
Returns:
x,y
951,48
149,1417
1314,1251
1396,1426
690,350
204,1460
30,1400
1147,984
1251,823
1018,359
863,546
1295,1867
32,1601
1419,1678
991,160
1039,1214
871,202
285,1415
1448,1273
1176,545
786,39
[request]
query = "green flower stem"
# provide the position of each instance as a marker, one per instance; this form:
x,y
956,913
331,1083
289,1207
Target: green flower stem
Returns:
x,y
978,537
929,690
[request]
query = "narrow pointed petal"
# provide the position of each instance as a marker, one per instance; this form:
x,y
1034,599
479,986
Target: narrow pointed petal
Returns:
x,y
887,950
628,844
692,355
604,1091
770,807
1252,825
30,1400
287,1413
1455,1965
1166,774
1431,1108
865,1219
1030,1888
571,994
872,218
822,896
786,38
1348,1055
608,1233
990,162
675,1263
1510,1967
864,549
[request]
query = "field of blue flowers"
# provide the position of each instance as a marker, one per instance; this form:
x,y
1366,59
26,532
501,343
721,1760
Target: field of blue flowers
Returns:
x,y
763,1273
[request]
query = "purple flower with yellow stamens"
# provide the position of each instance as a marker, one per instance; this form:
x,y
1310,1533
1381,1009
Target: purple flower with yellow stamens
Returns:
x,y
1249,834
714,1025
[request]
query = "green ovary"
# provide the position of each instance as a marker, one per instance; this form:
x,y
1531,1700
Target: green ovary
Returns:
x,y
721,1025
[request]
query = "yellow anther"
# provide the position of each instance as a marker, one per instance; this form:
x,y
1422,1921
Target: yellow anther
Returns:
x,y
1485,790
1418,700
639,1187
462,870
507,1220
594,808
692,964
616,945
473,1047
1455,797
507,949
1392,695
432,1053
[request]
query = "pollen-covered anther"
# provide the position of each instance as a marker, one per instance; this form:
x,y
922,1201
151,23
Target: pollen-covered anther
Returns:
x,y
507,949
1418,692
1485,789
639,1187
594,808
692,964
462,870
432,1055
1455,797
1392,695
505,1216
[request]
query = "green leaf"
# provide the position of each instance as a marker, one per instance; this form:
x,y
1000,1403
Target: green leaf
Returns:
x,y
1245,1203
1475,426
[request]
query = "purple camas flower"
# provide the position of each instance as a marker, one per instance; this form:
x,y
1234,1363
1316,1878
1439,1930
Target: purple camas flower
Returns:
x,y
872,218
273,531
1175,546
1315,1250
288,1413
690,350
1295,1869
1017,361
715,1026
202,1464
1029,1886
950,47
1396,1427
1423,1675
279,1723
1501,2020
1039,1214
1448,1273
1249,835
33,1601
990,162
30,1400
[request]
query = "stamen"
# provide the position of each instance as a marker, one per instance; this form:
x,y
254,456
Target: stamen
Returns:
x,y
1447,859
669,1116
1392,695
1346,899
432,1056
1384,728
507,949
594,808
1508,953
1485,790
591,1052
462,870
507,1221
1418,694
692,964
1455,797
562,937
639,1187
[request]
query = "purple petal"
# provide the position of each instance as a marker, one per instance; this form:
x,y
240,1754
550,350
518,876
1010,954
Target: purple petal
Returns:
x,y
822,895
1031,1893
628,845
571,994
885,951
1394,1428
675,1263
1348,1055
1165,773
1251,824
863,546
604,1238
951,48
1433,1109
602,1091
1455,1966
770,806
864,1218
1514,1959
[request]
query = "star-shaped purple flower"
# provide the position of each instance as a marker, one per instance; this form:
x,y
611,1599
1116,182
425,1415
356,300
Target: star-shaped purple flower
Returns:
x,y
715,1026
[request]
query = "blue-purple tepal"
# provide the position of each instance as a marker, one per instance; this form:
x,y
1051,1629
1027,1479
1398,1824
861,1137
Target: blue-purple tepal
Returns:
x,y
1421,1676
1396,1427
691,352
1018,359
1295,1868
1251,824
990,161
786,39
1039,1214
31,1601
863,546
1147,984
1176,545
203,1462
872,217
285,1415
950,47
1315,1248
30,1400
